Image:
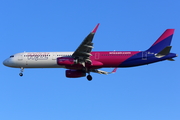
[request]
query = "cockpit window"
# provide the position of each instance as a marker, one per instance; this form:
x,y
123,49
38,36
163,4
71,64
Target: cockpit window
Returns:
x,y
11,56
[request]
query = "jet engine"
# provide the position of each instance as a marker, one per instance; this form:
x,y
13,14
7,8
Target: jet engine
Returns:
x,y
75,73
66,61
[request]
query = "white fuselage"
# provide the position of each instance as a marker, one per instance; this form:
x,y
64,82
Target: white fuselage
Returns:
x,y
35,59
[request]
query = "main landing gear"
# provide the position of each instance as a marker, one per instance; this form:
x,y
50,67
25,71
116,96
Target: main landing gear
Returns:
x,y
21,73
89,77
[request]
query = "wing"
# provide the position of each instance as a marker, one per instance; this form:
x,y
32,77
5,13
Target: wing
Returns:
x,y
83,52
104,72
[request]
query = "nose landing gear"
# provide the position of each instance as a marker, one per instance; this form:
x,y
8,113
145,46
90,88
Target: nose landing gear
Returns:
x,y
21,73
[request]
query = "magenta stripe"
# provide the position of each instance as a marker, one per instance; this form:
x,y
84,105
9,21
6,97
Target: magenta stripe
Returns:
x,y
166,34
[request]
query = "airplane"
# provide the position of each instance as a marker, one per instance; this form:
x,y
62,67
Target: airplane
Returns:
x,y
83,60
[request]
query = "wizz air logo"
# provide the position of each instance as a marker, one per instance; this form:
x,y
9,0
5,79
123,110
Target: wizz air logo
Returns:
x,y
37,56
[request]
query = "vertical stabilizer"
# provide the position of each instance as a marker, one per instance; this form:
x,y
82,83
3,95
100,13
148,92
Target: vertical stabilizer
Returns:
x,y
163,41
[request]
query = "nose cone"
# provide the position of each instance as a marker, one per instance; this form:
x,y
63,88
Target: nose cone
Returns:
x,y
5,62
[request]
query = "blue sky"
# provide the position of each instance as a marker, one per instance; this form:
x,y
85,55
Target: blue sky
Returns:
x,y
149,92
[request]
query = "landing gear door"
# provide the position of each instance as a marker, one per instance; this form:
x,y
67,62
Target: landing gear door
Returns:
x,y
144,55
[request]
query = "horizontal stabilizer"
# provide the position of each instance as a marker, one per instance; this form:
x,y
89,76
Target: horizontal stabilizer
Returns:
x,y
164,52
171,59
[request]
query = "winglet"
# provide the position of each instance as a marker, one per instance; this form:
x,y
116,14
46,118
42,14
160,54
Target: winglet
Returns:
x,y
95,29
115,69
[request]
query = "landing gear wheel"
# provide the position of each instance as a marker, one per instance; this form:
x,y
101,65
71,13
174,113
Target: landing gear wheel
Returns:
x,y
89,77
21,74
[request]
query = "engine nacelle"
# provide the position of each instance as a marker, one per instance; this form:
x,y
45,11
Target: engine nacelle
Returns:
x,y
66,61
75,73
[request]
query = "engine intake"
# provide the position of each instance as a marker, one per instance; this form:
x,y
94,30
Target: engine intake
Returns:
x,y
66,61
75,73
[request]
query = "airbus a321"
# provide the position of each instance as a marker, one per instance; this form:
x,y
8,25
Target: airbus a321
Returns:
x,y
83,60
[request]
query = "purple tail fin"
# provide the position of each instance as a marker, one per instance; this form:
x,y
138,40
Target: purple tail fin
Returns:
x,y
163,41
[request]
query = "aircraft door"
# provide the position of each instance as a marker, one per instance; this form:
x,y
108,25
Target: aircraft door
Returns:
x,y
54,56
20,57
96,56
144,55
